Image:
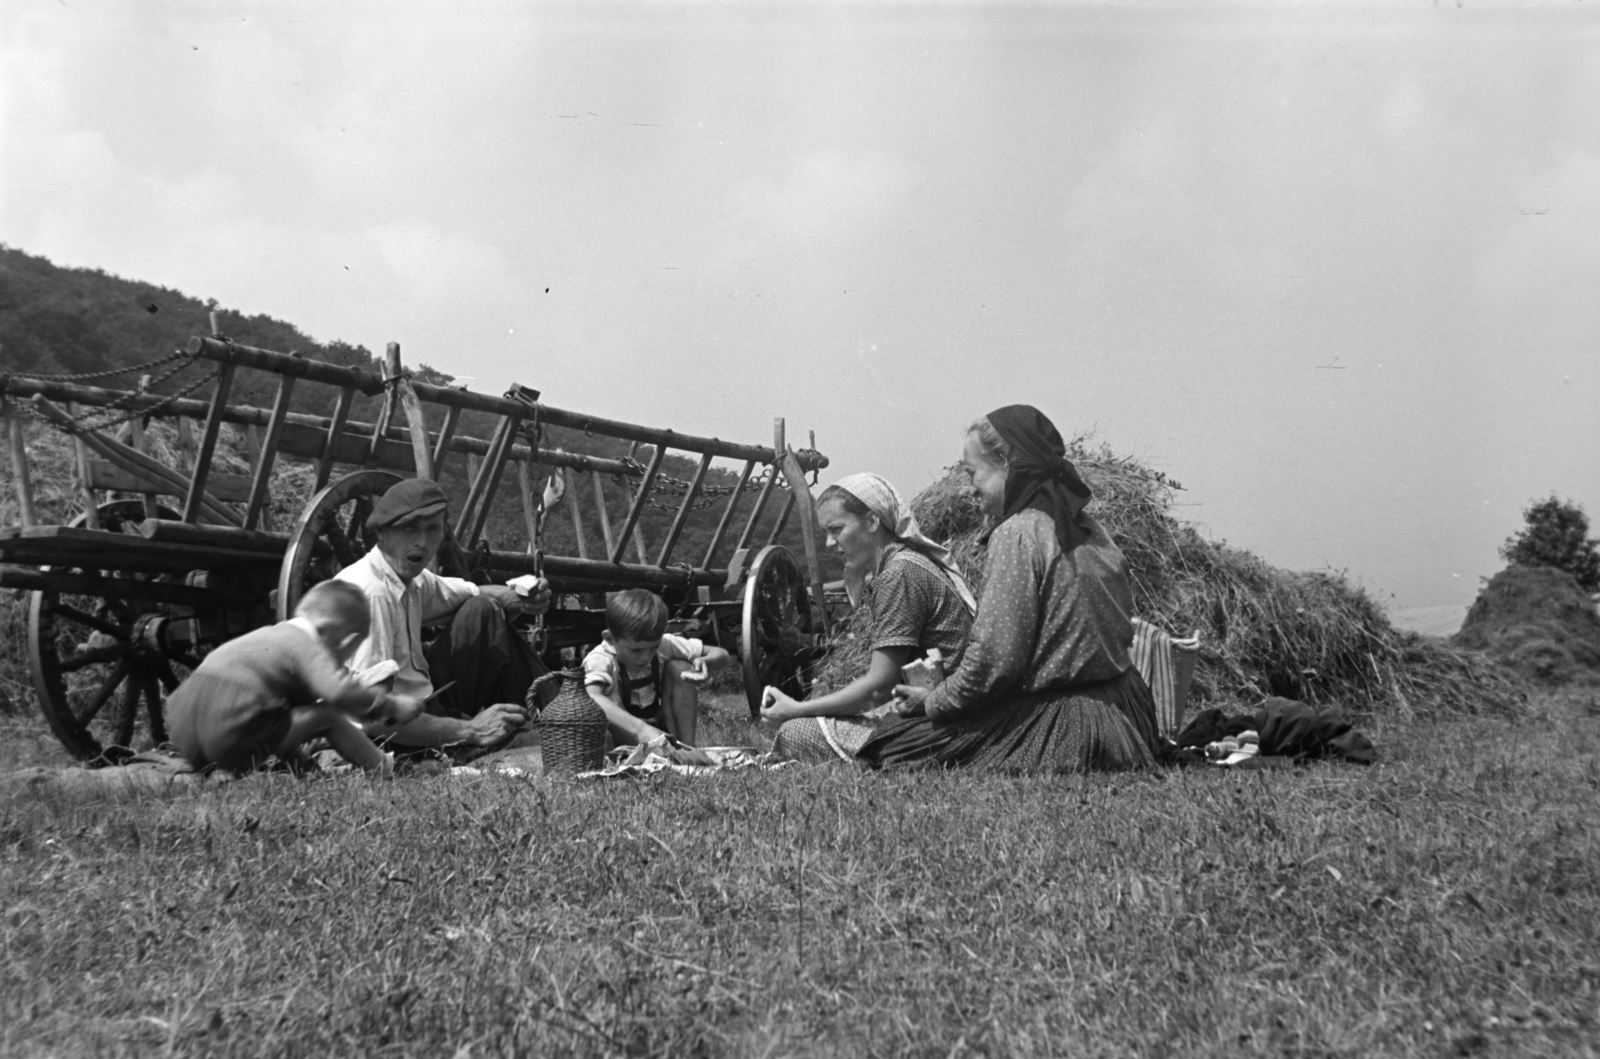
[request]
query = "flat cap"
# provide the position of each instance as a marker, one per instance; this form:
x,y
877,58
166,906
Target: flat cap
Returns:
x,y
411,499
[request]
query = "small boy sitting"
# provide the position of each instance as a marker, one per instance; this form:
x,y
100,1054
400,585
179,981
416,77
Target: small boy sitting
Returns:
x,y
643,677
268,691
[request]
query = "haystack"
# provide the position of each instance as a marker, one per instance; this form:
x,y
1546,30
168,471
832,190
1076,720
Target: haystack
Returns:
x,y
1263,631
1540,622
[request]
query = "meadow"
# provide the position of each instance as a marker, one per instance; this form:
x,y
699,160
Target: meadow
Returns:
x,y
1445,901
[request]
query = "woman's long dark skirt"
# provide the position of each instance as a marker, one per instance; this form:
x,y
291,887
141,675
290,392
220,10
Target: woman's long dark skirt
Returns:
x,y
1108,726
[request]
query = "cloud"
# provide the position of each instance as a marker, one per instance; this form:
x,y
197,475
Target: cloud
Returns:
x,y
825,198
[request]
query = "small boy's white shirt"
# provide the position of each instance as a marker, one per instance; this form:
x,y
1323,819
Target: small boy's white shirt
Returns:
x,y
602,668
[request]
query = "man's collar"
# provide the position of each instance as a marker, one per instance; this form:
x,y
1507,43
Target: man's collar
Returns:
x,y
380,563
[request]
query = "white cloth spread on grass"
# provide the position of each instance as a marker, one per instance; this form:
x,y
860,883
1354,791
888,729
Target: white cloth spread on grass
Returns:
x,y
648,760
399,611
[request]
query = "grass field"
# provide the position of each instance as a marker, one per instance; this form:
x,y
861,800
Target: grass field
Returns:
x,y
1443,902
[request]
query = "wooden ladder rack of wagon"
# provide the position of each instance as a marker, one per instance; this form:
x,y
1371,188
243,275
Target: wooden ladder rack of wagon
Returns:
x,y
129,592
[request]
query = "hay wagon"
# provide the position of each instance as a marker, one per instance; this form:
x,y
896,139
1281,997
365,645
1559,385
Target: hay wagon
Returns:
x,y
133,591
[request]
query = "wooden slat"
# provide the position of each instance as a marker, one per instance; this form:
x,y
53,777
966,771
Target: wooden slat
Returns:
x,y
261,486
67,546
91,500
332,435
530,509
755,512
783,519
683,509
208,445
233,488
605,516
19,465
167,531
636,508
577,515
136,439
441,446
495,465
727,512
800,496
116,588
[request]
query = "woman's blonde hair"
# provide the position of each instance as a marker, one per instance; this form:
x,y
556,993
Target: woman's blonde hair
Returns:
x,y
995,449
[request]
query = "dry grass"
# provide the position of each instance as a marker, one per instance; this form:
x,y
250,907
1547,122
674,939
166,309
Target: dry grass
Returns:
x,y
1446,901
1263,630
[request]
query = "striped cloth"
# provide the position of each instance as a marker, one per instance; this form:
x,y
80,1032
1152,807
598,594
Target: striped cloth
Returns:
x,y
1167,665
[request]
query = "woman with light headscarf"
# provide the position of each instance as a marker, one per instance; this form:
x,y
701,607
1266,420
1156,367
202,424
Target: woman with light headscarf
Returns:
x,y
916,601
1046,683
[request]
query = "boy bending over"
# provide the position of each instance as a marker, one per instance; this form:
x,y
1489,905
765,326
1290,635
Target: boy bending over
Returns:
x,y
645,678
268,691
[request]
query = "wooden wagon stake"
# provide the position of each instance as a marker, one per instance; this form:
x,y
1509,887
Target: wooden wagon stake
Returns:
x,y
636,508
413,410
137,439
577,516
208,445
800,494
19,466
260,487
91,502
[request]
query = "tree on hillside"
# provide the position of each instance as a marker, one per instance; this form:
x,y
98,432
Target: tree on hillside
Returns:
x,y
1557,534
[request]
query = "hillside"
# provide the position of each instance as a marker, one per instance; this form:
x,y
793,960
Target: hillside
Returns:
x,y
58,321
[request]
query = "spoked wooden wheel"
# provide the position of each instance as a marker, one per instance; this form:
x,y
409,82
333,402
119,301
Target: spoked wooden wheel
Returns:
x,y
96,660
773,644
330,534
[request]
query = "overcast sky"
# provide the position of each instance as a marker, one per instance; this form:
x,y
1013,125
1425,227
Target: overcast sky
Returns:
x,y
1334,268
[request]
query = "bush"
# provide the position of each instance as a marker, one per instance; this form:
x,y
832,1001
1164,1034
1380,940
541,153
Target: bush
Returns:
x,y
1557,534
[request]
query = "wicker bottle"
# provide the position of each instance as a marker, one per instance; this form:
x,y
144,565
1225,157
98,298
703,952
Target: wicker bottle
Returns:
x,y
572,729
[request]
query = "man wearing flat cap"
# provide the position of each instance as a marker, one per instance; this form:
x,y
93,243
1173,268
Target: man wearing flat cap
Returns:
x,y
487,666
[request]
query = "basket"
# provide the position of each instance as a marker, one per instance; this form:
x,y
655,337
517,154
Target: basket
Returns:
x,y
572,729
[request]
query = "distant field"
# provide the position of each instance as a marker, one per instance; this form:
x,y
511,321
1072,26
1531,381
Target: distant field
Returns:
x,y
1430,621
1443,902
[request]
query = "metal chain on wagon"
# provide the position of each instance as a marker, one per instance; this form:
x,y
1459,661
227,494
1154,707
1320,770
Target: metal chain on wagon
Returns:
x,y
102,417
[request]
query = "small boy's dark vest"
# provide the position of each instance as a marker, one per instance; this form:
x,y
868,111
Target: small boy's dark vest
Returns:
x,y
627,686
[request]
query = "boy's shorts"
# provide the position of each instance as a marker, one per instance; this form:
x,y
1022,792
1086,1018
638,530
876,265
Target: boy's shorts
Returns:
x,y
216,721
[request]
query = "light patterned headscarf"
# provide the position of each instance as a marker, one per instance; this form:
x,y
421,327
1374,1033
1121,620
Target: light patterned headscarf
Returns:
x,y
882,500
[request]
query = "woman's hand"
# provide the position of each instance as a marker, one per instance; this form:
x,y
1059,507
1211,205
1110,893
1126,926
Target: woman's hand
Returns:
x,y
908,700
776,707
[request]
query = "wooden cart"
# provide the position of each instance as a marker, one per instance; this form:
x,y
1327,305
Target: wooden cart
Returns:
x,y
131,593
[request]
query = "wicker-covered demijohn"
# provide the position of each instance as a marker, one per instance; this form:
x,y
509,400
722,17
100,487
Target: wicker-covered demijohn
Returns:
x,y
572,729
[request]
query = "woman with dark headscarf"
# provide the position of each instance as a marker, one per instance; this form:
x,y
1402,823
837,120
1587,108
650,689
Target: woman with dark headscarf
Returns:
x,y
1046,683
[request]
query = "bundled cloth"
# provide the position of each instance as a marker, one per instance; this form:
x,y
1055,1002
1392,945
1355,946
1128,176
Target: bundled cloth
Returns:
x,y
1167,664
647,759
1283,729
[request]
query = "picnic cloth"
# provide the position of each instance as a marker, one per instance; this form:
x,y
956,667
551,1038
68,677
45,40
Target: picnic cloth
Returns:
x,y
649,759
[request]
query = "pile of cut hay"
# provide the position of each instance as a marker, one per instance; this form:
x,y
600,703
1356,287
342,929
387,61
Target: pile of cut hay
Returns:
x,y
1540,622
1263,631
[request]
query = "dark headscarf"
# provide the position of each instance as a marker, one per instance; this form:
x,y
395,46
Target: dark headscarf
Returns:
x,y
1039,475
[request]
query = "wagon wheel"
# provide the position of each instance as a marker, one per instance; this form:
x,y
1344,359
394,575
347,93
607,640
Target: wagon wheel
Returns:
x,y
777,613
330,534
83,650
